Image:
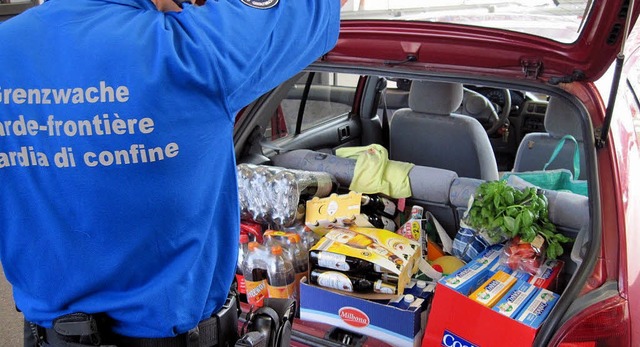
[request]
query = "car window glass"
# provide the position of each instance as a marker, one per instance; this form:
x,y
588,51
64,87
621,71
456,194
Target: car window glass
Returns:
x,y
10,8
329,96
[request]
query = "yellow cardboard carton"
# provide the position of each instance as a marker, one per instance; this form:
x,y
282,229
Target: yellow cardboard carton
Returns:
x,y
334,210
364,244
491,291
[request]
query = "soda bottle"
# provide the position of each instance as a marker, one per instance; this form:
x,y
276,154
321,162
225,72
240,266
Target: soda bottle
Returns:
x,y
280,275
308,238
294,252
254,269
378,204
243,249
350,282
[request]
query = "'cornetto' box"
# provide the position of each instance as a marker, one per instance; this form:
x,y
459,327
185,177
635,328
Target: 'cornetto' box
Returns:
x,y
446,326
394,325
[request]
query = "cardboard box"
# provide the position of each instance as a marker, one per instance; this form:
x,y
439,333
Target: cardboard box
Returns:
x,y
457,320
334,210
390,251
491,291
454,317
516,299
538,308
396,326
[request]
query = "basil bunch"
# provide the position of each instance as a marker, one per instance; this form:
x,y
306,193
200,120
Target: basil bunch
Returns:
x,y
503,210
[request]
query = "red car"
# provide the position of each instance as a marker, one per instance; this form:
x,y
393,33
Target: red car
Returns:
x,y
470,90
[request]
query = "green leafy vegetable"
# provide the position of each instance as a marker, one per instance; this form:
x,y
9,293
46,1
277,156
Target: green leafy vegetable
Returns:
x,y
505,211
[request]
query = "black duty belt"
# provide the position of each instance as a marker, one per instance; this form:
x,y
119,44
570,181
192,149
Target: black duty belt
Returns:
x,y
81,330
81,333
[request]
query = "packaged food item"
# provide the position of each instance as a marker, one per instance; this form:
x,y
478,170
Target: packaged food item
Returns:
x,y
447,264
547,276
469,277
538,308
525,256
493,289
515,299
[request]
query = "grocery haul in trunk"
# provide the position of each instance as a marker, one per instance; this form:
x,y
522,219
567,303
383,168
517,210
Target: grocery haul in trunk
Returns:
x,y
483,265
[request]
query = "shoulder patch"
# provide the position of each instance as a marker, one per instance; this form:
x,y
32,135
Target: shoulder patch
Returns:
x,y
261,4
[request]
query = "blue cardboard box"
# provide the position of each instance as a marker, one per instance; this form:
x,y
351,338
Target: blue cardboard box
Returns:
x,y
394,325
514,301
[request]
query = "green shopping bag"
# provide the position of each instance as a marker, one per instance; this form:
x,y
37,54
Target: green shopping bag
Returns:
x,y
558,179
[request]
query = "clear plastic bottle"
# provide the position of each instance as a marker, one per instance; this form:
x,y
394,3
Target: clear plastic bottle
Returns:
x,y
280,275
255,270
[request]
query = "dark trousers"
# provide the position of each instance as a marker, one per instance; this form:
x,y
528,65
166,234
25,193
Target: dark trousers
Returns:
x,y
29,339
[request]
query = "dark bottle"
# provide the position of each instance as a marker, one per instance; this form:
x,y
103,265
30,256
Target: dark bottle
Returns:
x,y
341,262
349,282
378,204
379,221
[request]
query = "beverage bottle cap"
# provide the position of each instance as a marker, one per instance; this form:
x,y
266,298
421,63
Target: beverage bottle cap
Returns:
x,y
244,238
253,246
421,284
409,298
276,250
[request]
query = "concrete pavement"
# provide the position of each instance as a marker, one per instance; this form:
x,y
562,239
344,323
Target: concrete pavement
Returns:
x,y
10,320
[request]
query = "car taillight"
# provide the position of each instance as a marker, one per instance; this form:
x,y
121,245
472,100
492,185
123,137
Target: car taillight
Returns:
x,y
603,324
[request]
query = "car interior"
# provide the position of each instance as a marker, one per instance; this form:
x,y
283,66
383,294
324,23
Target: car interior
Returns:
x,y
458,133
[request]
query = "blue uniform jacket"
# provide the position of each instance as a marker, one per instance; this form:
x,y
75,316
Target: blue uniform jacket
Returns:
x,y
117,169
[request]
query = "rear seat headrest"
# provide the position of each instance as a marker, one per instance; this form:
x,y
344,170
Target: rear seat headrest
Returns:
x,y
561,118
435,97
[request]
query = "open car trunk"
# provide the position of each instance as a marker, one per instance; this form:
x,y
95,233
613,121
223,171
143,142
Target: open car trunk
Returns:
x,y
300,125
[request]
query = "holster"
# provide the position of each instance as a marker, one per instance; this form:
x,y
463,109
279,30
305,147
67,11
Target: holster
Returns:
x,y
270,325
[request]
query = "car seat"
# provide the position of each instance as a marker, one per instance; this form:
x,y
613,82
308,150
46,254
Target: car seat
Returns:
x,y
428,133
535,149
